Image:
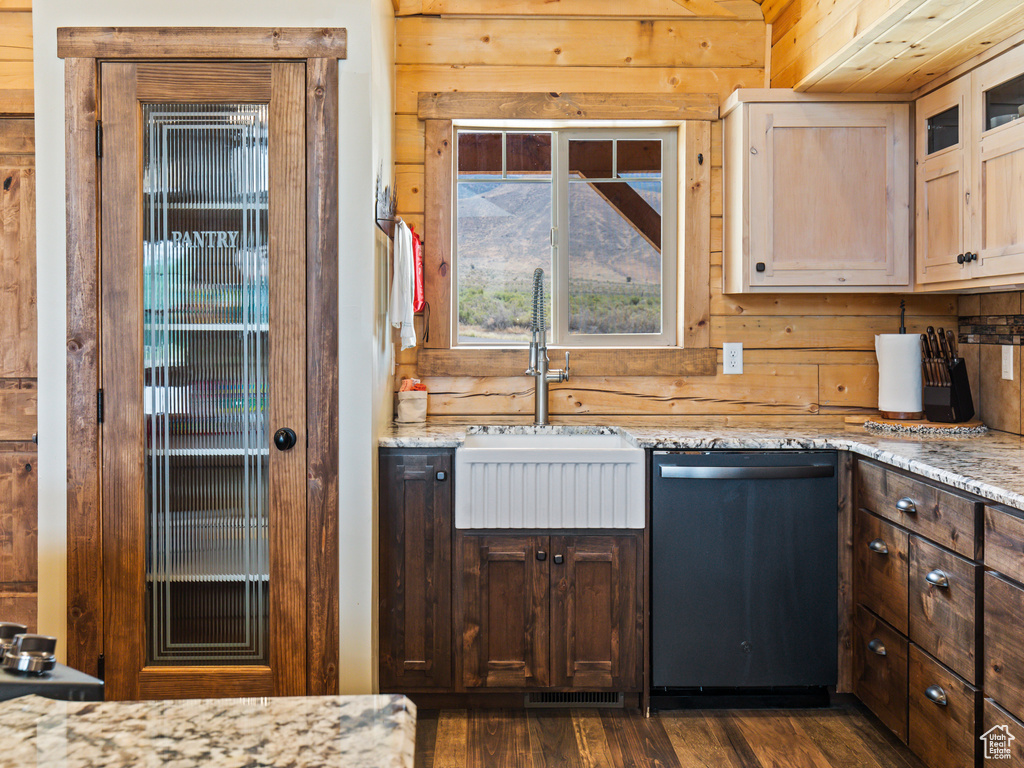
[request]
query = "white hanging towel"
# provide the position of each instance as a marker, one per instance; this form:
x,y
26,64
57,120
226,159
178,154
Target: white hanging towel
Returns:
x,y
400,310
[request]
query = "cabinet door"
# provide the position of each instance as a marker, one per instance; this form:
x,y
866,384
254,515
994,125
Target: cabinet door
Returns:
x,y
203,359
415,570
880,553
880,670
943,185
829,195
502,603
596,626
942,606
942,714
998,175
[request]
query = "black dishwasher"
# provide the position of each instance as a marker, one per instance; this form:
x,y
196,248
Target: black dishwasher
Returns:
x,y
743,577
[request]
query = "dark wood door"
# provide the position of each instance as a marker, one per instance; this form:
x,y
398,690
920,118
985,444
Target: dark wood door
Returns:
x,y
415,570
502,602
147,216
596,625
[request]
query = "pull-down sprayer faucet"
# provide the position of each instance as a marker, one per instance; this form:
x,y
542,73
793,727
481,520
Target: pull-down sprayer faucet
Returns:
x,y
539,354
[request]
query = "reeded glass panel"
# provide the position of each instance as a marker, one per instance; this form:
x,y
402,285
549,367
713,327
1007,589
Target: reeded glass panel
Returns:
x,y
205,248
615,263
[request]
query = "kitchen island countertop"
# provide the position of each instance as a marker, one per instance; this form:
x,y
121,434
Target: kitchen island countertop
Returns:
x,y
299,732
990,465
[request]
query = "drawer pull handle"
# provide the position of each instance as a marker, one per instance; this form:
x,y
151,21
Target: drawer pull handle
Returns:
x,y
936,694
937,579
875,646
879,546
907,506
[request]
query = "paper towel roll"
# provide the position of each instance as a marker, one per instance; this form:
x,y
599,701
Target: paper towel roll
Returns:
x,y
899,372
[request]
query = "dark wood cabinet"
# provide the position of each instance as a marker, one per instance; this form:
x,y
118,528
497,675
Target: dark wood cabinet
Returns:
x,y
560,611
942,606
880,556
595,622
1004,644
415,569
502,604
943,714
880,670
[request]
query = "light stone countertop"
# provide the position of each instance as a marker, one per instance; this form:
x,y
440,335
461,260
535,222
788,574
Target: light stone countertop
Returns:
x,y
297,732
990,465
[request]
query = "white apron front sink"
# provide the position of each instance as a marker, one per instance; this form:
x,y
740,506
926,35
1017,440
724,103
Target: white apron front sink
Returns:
x,y
556,478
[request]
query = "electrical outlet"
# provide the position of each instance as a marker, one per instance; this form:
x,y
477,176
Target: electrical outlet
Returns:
x,y
1008,362
732,357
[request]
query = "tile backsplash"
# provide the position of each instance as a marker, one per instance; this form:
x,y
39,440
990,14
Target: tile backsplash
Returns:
x,y
988,322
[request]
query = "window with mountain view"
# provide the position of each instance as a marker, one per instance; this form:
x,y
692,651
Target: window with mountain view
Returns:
x,y
594,208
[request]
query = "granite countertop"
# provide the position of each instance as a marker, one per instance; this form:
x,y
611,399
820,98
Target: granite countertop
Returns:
x,y
990,465
297,732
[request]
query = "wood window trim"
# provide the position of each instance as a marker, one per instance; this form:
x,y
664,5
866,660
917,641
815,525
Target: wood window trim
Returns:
x,y
85,542
693,357
201,43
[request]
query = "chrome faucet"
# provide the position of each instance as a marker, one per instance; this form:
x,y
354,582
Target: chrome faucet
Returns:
x,y
539,354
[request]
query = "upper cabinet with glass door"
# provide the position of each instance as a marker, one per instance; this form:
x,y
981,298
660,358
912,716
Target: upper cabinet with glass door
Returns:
x,y
970,186
817,194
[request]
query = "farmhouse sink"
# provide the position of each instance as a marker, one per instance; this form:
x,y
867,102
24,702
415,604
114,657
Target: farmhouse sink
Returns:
x,y
557,478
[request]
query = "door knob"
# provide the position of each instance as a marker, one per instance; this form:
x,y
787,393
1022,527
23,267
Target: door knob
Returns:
x,y
285,439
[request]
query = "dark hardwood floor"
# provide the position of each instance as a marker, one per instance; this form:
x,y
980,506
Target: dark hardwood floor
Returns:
x,y
840,737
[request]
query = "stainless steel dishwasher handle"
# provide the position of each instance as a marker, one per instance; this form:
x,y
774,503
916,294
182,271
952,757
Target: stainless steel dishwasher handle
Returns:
x,y
748,473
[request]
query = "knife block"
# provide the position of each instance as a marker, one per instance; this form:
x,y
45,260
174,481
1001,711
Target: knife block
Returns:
x,y
952,404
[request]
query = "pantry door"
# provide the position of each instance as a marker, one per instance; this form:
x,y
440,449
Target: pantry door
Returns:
x,y
203,311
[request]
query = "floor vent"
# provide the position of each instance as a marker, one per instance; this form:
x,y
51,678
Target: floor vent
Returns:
x,y
576,699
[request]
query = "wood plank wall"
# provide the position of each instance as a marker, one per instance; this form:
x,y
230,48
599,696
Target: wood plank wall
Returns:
x,y
803,354
18,557
16,57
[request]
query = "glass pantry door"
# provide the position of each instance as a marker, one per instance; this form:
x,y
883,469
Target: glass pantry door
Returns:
x,y
203,339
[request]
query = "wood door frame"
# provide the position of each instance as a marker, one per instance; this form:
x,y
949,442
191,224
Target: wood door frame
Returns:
x,y
82,50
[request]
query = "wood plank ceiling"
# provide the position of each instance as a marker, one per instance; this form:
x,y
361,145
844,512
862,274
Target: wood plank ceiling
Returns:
x,y
880,46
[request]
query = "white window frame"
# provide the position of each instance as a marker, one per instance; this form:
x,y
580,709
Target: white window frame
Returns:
x,y
672,213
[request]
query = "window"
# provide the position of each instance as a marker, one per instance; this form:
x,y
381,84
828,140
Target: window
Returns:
x,y
595,208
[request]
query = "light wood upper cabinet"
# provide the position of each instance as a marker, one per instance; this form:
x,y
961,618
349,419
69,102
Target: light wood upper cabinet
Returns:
x,y
970,187
943,219
817,195
998,165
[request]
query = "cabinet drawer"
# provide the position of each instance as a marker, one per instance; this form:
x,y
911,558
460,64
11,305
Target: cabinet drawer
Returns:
x,y
942,516
880,670
942,606
942,714
880,561
997,726
1004,543
1004,644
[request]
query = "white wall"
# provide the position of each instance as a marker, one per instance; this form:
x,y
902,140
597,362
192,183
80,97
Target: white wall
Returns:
x,y
365,110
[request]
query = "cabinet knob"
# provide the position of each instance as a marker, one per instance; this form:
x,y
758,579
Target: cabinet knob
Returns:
x,y
907,506
284,439
879,546
441,476
936,694
937,579
959,258
759,266
876,646
542,555
559,559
